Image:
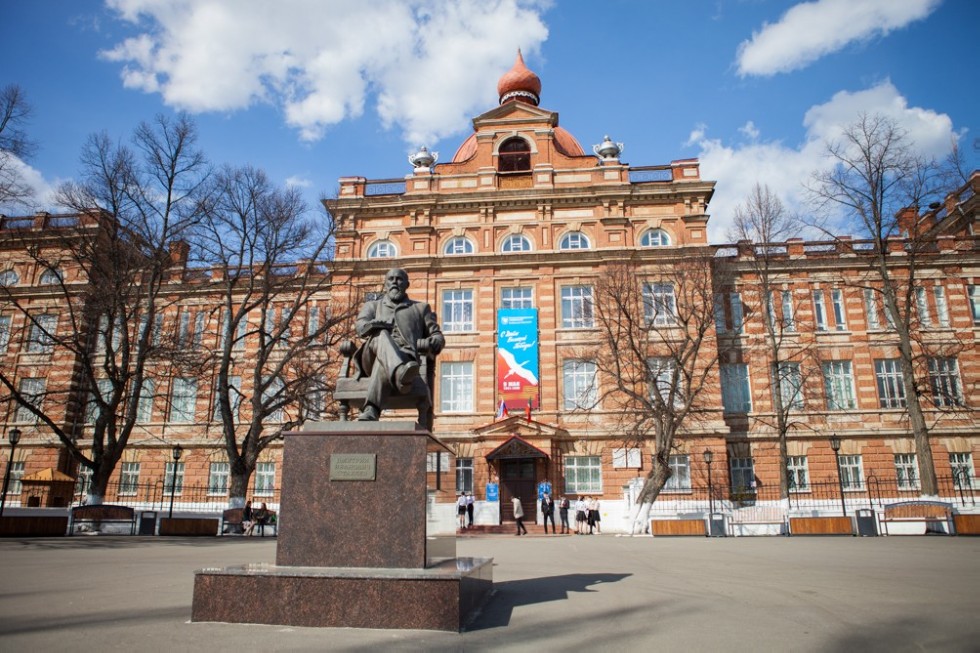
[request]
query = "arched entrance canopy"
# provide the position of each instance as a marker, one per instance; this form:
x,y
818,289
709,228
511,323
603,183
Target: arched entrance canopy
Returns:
x,y
516,447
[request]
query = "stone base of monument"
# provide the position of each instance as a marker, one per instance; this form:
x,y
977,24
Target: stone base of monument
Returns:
x,y
361,545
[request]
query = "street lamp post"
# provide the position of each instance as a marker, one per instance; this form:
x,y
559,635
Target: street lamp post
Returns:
x,y
835,445
708,457
177,451
13,436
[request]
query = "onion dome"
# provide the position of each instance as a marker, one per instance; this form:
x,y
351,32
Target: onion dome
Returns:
x,y
608,150
423,158
519,83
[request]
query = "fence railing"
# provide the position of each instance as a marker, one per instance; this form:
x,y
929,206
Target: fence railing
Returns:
x,y
186,498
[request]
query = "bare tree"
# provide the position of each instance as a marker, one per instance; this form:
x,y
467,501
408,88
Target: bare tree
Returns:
x,y
656,356
272,263
880,181
108,272
15,147
761,227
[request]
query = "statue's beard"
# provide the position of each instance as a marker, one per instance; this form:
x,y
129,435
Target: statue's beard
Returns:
x,y
396,294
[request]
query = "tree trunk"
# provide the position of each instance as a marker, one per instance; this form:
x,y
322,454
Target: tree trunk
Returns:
x,y
655,482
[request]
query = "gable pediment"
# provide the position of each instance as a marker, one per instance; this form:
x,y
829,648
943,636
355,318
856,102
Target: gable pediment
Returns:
x,y
519,425
516,447
510,113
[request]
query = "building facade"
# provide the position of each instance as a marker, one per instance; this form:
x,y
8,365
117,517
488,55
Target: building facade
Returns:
x,y
510,241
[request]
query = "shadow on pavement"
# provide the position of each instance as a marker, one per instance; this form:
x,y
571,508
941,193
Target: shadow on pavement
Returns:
x,y
127,541
511,594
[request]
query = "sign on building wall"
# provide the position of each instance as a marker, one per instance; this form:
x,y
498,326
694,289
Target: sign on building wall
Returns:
x,y
517,357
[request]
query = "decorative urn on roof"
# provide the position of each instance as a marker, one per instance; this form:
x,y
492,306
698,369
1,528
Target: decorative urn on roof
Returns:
x,y
423,158
608,150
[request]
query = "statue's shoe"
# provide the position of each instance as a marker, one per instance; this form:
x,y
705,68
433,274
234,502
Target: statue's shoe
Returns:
x,y
406,375
369,414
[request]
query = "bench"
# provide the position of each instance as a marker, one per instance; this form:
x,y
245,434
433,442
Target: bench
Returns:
x,y
677,528
231,522
934,517
745,521
349,389
102,514
821,526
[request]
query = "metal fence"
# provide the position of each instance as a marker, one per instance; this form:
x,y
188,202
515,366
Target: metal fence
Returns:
x,y
186,498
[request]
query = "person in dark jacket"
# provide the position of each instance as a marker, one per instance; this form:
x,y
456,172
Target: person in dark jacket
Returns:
x,y
548,511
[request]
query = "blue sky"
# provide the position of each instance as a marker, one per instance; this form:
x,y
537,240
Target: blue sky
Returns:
x,y
313,90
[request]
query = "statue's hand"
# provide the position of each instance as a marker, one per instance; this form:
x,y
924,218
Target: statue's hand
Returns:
x,y
380,325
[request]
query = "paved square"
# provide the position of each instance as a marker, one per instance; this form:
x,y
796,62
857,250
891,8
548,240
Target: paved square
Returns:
x,y
552,593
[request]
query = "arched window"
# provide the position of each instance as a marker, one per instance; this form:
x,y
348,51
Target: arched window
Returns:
x,y
458,245
515,243
382,249
574,240
514,156
8,278
50,277
655,238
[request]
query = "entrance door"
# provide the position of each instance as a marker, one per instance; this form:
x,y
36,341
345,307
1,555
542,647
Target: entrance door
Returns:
x,y
517,480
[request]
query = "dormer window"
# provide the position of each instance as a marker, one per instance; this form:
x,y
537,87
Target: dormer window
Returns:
x,y
655,238
382,249
574,240
457,246
514,156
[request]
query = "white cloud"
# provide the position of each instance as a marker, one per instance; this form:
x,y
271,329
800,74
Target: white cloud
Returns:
x,y
749,130
43,189
298,181
737,168
811,30
426,64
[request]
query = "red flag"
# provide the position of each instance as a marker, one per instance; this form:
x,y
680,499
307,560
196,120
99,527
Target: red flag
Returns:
x,y
527,410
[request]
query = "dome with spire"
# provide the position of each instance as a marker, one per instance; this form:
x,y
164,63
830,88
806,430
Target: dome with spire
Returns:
x,y
519,83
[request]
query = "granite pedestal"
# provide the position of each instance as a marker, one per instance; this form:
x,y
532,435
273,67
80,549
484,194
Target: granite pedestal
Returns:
x,y
360,545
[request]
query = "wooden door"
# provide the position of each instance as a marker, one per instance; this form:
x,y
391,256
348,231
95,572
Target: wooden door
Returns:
x,y
517,479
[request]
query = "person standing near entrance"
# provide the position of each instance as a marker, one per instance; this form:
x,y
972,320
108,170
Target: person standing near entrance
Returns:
x,y
563,513
519,516
461,510
548,510
469,509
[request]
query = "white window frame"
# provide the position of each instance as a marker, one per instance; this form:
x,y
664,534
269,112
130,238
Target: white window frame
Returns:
x,y
738,314
840,310
627,458
906,471
721,324
889,380
973,292
798,472
456,385
579,380
144,408
852,472
235,396
742,474
515,243
129,479
655,238
51,277
32,389
457,310
382,249
659,303
265,479
944,379
437,461
577,307
790,384
274,389
819,311
464,475
16,474
458,246
736,388
961,466
168,478
789,318
871,309
4,333
574,240
661,371
942,306
183,400
40,339
679,480
219,477
583,475
839,385
517,297
922,307
9,278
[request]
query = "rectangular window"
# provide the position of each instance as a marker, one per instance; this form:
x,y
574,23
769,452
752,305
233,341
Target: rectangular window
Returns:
x,y
580,390
157,329
942,308
680,474
769,312
456,387
274,396
662,379
41,336
738,315
944,377
576,307
961,464
974,293
798,473
171,482
819,311
32,390
790,384
198,336
437,461
851,472
240,332
922,306
312,320
16,474
265,479
129,479
144,409
104,390
626,458
182,328
871,309
583,475
234,397
906,471
840,318
659,304
839,385
83,481
891,388
789,319
742,474
517,298
4,333
736,396
464,474
457,310
314,401
182,400
218,477
721,325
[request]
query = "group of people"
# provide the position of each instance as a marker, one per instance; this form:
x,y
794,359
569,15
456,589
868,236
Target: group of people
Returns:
x,y
464,509
254,517
586,513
